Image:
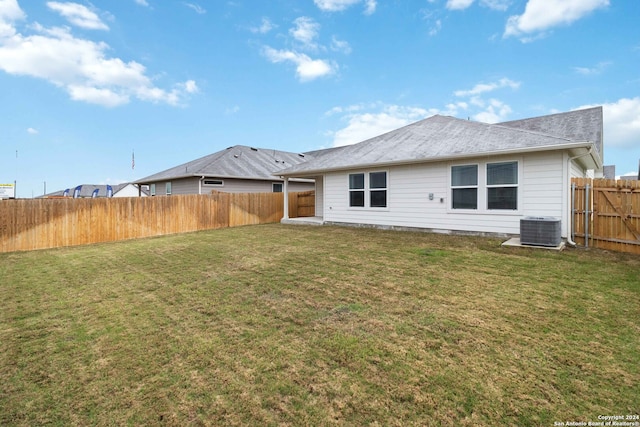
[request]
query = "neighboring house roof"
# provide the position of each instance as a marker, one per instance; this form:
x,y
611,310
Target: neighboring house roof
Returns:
x,y
440,138
238,161
87,190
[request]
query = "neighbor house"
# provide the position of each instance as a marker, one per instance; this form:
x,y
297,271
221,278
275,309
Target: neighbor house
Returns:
x,y
237,169
126,189
447,174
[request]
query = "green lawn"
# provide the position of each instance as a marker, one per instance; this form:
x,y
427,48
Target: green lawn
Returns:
x,y
293,325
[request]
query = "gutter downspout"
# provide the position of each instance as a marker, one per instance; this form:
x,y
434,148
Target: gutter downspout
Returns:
x,y
570,210
200,184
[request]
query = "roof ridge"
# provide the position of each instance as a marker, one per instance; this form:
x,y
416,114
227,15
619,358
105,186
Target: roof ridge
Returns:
x,y
533,132
502,126
565,113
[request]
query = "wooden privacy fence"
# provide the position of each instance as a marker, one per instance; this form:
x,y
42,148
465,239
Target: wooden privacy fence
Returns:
x,y
48,223
304,203
606,214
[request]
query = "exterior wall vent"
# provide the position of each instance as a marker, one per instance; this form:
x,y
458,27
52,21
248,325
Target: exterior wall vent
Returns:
x,y
540,231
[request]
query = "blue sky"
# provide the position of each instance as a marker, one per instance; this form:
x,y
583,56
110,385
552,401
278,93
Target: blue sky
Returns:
x,y
86,84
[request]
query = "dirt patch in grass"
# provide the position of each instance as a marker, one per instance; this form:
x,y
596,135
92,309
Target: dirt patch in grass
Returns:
x,y
290,325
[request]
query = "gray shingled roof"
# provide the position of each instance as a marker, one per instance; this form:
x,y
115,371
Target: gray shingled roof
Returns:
x,y
238,161
441,137
579,125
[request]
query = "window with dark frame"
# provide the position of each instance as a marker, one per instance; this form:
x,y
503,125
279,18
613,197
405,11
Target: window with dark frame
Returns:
x,y
378,189
276,187
368,189
464,187
356,190
214,182
502,186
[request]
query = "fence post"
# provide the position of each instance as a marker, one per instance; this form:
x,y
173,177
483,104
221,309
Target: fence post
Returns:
x,y
586,216
573,211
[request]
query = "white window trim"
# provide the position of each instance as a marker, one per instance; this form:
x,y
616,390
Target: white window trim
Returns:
x,y
277,183
167,188
152,189
367,192
483,188
516,186
452,187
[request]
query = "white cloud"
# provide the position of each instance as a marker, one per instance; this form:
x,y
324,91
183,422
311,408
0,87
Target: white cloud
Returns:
x,y
493,110
366,121
95,95
32,131
78,65
232,110
9,13
196,7
541,15
264,27
496,111
432,18
340,46
340,5
305,31
306,68
142,2
365,125
458,4
370,7
500,5
621,122
9,10
78,15
190,86
369,120
488,87
598,69
435,29
351,108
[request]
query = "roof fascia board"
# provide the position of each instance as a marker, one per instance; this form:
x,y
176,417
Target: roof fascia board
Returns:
x,y
199,176
568,146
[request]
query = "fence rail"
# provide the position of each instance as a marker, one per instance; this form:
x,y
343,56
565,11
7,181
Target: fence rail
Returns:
x,y
49,223
606,214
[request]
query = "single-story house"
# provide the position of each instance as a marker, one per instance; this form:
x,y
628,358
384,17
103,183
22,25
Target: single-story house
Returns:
x,y
126,189
447,174
237,169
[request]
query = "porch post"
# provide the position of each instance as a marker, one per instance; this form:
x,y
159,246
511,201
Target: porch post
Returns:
x,y
285,192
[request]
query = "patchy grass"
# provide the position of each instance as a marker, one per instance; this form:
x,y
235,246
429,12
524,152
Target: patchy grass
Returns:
x,y
282,325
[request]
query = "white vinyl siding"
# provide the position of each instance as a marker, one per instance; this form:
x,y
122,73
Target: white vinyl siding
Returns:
x,y
540,193
543,184
319,187
194,186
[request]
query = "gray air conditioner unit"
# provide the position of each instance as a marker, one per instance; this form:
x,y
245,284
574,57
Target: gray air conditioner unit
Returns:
x,y
540,231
